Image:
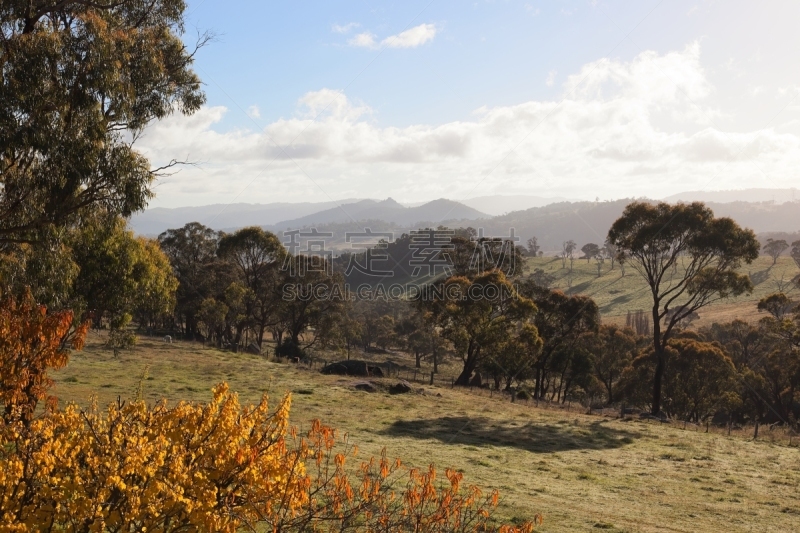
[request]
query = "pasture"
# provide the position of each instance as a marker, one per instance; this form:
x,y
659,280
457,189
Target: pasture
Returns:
x,y
583,472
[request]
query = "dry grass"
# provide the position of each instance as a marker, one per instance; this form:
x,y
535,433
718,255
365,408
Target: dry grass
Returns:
x,y
616,295
584,473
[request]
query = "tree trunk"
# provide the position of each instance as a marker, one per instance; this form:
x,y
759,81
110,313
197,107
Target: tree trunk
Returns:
x,y
660,355
470,364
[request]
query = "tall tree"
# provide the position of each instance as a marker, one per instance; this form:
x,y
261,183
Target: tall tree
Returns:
x,y
192,252
258,256
688,258
80,81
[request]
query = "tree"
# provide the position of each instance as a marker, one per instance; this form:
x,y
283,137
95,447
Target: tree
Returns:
x,y
81,80
120,274
610,252
212,316
192,252
700,380
533,247
568,254
775,248
511,358
309,303
32,342
590,251
795,253
657,239
475,315
614,349
258,256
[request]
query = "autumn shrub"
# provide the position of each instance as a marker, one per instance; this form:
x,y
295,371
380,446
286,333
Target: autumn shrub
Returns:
x,y
218,466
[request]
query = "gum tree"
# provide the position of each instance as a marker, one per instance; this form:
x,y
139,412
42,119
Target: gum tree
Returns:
x,y
689,260
80,80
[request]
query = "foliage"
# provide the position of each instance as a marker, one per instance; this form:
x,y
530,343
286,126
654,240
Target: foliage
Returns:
x,y
120,273
32,341
474,321
775,248
80,79
614,348
657,239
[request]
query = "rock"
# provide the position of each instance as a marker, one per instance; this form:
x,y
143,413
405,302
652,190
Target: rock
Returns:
x,y
253,349
401,387
353,368
476,380
365,386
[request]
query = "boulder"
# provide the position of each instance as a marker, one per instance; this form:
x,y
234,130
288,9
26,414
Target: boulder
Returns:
x,y
353,368
401,387
253,349
366,386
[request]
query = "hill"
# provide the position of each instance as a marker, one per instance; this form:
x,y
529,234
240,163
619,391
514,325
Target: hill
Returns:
x,y
583,472
742,195
387,211
500,204
616,295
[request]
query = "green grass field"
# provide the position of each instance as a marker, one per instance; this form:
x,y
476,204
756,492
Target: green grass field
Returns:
x,y
583,472
616,295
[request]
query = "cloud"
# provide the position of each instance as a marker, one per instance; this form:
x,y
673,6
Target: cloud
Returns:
x,y
346,28
619,129
253,111
366,40
410,38
551,78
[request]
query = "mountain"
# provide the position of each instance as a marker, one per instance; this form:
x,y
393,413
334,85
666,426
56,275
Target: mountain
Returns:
x,y
778,196
586,222
500,204
388,210
218,216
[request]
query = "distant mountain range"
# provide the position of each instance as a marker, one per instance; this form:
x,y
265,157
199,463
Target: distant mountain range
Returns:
x,y
778,196
552,223
437,211
218,216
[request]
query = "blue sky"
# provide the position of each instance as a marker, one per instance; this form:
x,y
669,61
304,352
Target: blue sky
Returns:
x,y
423,99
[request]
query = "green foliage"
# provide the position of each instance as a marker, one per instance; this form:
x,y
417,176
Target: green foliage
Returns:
x,y
120,273
77,77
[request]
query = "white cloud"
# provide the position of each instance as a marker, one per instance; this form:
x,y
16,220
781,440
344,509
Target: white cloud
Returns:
x,y
410,38
620,129
345,28
551,78
366,40
254,112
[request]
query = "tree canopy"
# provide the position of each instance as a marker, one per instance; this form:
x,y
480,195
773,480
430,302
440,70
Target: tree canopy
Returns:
x,y
80,81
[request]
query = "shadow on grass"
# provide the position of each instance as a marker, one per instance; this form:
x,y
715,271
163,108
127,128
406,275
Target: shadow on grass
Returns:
x,y
536,438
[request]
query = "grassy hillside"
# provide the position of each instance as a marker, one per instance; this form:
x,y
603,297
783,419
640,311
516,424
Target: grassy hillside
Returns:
x,y
616,295
584,472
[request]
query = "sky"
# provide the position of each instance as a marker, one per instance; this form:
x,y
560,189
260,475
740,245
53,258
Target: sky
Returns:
x,y
419,100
